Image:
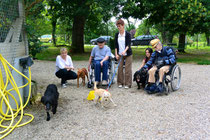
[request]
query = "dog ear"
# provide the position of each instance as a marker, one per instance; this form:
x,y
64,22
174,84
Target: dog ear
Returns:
x,y
134,77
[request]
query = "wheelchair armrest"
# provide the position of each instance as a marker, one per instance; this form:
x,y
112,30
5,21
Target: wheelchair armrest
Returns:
x,y
112,57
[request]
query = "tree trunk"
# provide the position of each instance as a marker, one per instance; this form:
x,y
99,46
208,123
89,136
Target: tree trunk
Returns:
x,y
78,34
181,46
54,22
207,39
167,37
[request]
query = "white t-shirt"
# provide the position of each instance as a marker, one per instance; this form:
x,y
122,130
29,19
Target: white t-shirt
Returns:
x,y
121,43
61,63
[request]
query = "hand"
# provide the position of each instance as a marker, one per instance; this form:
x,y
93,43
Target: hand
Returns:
x,y
101,63
160,63
69,68
143,70
89,67
123,53
117,57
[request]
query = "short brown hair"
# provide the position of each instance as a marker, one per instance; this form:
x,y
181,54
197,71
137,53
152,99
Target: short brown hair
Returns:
x,y
120,21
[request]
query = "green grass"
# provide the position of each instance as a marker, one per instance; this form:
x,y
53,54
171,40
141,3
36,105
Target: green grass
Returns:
x,y
199,56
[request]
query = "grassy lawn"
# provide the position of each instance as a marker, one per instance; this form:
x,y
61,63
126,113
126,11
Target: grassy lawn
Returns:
x,y
199,56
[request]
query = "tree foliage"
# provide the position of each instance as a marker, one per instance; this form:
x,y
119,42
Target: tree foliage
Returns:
x,y
175,16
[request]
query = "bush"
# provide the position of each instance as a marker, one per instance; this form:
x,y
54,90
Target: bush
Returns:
x,y
33,41
111,44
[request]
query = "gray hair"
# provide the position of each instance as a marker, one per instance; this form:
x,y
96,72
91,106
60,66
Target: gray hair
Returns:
x,y
63,50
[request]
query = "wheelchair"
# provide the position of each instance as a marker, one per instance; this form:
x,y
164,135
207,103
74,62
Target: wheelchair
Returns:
x,y
110,72
171,80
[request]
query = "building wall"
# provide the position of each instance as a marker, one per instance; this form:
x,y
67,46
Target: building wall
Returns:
x,y
13,40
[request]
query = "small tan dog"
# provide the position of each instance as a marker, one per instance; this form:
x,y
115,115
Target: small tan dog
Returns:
x,y
103,94
81,73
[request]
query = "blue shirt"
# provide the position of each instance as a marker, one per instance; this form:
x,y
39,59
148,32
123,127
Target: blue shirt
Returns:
x,y
100,53
166,54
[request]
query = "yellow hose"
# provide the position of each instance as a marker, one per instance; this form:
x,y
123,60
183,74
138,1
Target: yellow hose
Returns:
x,y
11,113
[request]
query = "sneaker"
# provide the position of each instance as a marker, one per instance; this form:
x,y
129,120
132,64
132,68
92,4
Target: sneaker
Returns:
x,y
159,88
120,86
104,83
63,85
151,89
126,87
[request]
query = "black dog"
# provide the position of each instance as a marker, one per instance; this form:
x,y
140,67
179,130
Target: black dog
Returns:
x,y
50,99
140,77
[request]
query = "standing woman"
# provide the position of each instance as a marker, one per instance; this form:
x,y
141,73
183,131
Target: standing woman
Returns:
x,y
64,67
123,49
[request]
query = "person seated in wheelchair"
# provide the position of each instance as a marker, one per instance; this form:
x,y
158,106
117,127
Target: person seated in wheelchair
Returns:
x,y
100,53
161,59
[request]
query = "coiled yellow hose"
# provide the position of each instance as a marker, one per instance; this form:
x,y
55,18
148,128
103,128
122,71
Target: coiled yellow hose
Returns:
x,y
10,116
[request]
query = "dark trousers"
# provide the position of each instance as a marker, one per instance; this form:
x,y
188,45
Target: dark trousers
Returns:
x,y
98,70
65,75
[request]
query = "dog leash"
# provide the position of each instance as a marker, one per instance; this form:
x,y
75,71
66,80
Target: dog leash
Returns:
x,y
114,73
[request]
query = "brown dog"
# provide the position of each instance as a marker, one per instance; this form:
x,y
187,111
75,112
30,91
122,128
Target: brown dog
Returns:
x,y
81,74
103,94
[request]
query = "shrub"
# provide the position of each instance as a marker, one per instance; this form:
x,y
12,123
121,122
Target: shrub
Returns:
x,y
111,44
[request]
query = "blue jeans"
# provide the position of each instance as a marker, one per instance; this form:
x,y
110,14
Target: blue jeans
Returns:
x,y
98,70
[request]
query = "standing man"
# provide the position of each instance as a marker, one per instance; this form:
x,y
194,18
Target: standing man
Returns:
x,y
161,59
100,53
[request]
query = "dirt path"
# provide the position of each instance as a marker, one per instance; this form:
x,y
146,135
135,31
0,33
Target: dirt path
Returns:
x,y
183,114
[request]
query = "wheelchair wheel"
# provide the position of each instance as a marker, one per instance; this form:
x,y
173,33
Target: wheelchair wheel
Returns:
x,y
175,78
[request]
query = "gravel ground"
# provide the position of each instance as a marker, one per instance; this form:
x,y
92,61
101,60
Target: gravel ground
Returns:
x,y
183,114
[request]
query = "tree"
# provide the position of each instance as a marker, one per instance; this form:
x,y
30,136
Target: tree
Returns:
x,y
80,12
53,12
174,16
36,25
182,18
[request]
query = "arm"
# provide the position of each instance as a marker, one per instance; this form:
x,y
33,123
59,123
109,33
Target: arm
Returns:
x,y
116,46
142,64
108,54
105,58
59,63
171,57
116,55
123,53
70,67
151,61
128,43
